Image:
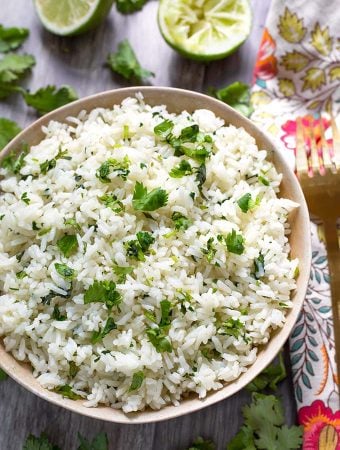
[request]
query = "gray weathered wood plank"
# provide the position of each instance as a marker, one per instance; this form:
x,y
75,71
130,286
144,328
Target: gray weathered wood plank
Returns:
x,y
79,62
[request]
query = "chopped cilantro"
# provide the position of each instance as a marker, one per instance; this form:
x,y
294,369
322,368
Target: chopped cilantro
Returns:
x,y
121,272
159,340
201,176
44,231
263,180
72,223
232,327
210,251
183,169
73,370
2,216
35,226
111,201
67,392
189,134
25,198
56,315
244,202
103,292
65,271
125,62
165,313
143,166
184,299
108,327
148,201
20,275
234,242
181,222
51,163
68,244
139,247
113,165
137,381
259,266
164,129
150,316
48,98
209,352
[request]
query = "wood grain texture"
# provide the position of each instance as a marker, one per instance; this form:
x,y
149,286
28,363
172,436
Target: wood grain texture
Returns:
x,y
80,62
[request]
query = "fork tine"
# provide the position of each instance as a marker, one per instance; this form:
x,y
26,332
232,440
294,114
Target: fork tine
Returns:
x,y
336,142
325,149
301,161
314,157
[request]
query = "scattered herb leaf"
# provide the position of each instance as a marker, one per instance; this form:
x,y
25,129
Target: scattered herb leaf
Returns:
x,y
68,244
65,271
137,381
181,222
108,327
183,169
148,201
67,392
103,292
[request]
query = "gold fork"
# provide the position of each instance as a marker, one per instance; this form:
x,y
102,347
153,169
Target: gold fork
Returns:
x,y
318,169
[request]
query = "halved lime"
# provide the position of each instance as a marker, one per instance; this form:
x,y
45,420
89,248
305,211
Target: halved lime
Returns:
x,y
205,30
70,17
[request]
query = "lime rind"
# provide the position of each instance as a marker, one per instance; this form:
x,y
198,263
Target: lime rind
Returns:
x,y
205,30
72,17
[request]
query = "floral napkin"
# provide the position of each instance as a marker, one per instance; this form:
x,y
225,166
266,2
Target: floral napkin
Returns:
x,y
297,73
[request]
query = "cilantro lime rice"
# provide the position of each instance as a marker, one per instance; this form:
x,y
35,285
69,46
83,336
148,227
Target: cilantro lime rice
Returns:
x,y
143,255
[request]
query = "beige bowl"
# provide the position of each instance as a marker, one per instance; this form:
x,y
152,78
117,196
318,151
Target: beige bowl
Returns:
x,y
178,100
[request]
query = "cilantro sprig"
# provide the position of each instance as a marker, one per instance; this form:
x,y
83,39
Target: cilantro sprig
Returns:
x,y
143,200
12,38
8,130
138,248
125,63
233,241
12,68
103,292
48,98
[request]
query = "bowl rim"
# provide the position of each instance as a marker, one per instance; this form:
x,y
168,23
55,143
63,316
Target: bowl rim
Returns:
x,y
19,371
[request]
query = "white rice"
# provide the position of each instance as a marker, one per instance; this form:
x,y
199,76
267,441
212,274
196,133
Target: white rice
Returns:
x,y
220,290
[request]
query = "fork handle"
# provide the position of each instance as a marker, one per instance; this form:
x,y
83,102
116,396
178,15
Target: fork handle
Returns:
x,y
333,253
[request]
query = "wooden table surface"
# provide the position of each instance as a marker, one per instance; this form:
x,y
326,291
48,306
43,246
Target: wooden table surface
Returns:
x,y
79,62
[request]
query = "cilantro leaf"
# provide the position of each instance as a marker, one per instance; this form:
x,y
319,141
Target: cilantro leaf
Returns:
x,y
236,95
12,38
189,134
201,176
72,223
165,313
21,275
56,315
50,164
25,198
259,266
289,438
139,247
181,222
8,130
263,409
65,271
103,292
243,440
67,392
14,162
159,340
68,244
148,201
235,243
183,169
232,327
100,442
125,62
129,6
210,250
137,381
202,444
113,165
164,129
111,201
48,98
39,443
244,202
269,377
121,272
108,327
3,375
12,68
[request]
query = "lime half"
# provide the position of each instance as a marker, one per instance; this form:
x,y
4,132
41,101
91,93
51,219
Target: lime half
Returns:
x,y
70,17
205,30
